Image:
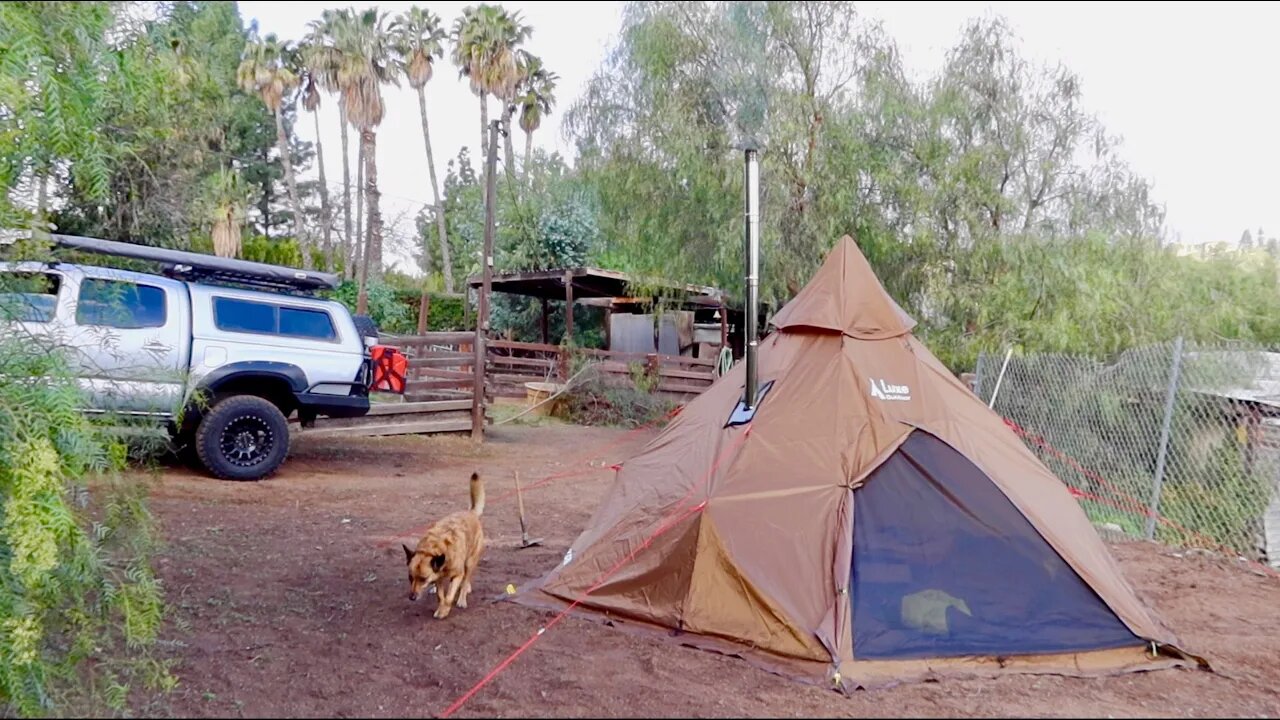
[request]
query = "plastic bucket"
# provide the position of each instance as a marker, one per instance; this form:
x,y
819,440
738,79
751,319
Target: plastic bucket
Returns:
x,y
536,392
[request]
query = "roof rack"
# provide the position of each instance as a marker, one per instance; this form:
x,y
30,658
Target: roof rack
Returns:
x,y
196,267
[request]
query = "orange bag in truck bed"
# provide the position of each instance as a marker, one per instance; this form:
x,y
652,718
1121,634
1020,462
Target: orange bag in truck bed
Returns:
x,y
390,367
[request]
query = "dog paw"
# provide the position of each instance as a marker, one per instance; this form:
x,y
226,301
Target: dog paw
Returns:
x,y
441,613
462,603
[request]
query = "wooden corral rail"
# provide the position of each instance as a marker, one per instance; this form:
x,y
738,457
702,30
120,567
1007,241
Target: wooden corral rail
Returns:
x,y
509,365
439,392
440,388
401,419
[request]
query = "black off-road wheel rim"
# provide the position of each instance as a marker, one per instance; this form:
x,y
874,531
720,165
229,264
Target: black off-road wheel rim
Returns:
x,y
246,441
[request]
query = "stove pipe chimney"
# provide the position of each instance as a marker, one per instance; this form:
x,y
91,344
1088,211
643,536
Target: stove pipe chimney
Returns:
x,y
752,243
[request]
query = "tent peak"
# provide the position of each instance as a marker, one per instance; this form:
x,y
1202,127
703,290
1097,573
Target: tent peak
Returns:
x,y
845,296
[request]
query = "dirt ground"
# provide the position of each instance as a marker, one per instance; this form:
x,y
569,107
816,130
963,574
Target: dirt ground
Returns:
x,y
289,598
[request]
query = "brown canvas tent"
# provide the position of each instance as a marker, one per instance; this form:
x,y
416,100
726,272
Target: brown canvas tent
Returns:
x,y
869,522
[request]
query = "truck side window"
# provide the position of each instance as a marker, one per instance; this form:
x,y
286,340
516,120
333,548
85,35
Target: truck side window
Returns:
x,y
232,315
306,323
119,304
29,297
243,316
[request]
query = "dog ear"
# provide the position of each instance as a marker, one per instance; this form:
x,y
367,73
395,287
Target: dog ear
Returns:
x,y
437,563
408,554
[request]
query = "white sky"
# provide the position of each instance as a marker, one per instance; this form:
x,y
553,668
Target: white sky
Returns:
x,y
1192,88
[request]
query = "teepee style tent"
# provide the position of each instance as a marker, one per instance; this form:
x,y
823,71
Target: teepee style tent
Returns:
x,y
869,521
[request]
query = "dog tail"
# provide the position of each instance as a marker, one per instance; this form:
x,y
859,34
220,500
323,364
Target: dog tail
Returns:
x,y
477,494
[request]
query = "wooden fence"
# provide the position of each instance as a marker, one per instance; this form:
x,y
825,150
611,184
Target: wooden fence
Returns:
x,y
441,365
509,365
440,390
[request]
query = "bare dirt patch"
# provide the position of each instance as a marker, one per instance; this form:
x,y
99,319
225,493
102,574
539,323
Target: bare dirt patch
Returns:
x,y
289,598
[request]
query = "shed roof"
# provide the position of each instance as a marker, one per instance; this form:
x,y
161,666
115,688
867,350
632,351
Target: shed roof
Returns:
x,y
591,282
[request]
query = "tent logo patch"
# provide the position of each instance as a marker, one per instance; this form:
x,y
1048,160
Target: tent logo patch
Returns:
x,y
882,390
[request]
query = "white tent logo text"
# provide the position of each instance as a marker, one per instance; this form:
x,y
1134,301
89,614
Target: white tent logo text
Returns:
x,y
888,391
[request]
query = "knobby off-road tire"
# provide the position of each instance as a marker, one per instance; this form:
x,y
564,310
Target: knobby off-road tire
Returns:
x,y
243,437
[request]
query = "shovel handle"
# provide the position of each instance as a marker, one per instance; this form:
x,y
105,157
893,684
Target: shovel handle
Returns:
x,y
519,496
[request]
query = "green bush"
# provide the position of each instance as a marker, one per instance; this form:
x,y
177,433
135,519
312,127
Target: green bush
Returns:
x,y
446,312
390,315
594,402
80,607
395,310
271,251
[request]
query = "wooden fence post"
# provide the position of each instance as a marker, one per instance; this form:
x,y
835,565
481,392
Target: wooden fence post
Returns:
x,y
477,387
562,364
424,309
568,306
653,369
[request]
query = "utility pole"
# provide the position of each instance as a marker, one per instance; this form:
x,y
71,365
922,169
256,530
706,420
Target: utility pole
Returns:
x,y
482,313
490,222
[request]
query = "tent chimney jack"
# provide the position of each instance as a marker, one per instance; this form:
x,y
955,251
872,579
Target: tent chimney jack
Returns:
x,y
752,243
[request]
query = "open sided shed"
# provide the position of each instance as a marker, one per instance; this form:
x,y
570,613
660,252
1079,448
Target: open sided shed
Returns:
x,y
619,292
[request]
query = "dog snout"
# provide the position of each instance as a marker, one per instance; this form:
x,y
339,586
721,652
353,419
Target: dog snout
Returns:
x,y
413,595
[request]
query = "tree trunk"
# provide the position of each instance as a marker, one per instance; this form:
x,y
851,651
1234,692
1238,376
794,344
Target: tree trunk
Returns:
x,y
357,252
327,248
370,265
446,262
424,311
373,215
346,196
528,156
484,147
362,266
42,198
283,142
264,207
510,155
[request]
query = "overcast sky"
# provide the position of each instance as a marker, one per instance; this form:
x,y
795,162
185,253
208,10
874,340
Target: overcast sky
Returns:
x,y
1192,88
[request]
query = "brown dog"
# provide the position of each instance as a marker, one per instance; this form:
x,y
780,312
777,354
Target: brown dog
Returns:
x,y
449,552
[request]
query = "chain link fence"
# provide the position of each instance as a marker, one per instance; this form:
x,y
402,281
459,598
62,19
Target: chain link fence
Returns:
x,y
1176,442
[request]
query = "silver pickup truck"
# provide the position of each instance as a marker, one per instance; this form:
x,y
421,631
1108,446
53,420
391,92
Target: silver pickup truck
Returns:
x,y
220,351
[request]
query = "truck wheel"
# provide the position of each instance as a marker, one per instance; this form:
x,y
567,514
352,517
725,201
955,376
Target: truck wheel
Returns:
x,y
243,437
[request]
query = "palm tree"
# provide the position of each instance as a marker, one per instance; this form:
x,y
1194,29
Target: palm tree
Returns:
x,y
321,58
485,41
418,37
226,199
536,98
511,104
264,71
366,63
311,103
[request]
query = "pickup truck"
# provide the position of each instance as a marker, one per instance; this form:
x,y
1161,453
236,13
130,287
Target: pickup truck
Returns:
x,y
222,352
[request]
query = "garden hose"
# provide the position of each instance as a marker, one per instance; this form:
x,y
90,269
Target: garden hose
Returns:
x,y
724,363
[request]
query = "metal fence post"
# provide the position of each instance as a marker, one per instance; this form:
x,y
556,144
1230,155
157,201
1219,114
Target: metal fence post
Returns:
x,y
1163,452
978,369
999,379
